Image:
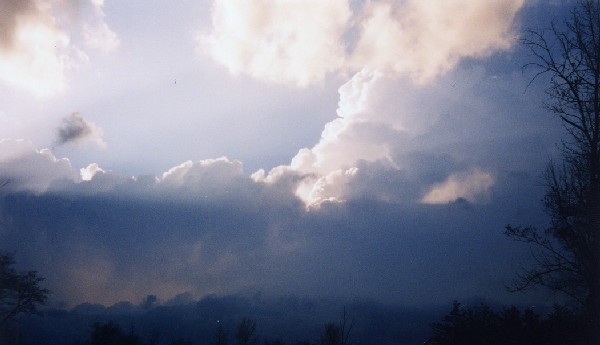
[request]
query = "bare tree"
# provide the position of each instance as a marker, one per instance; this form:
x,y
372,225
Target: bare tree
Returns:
x,y
338,334
567,253
19,292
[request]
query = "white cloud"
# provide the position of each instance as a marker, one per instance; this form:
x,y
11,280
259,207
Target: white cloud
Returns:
x,y
36,48
205,172
26,168
101,37
90,171
290,41
97,34
473,186
422,133
381,113
299,42
371,118
424,39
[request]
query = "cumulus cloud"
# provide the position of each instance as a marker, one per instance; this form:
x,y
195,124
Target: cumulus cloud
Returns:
x,y
207,171
292,41
389,43
74,128
424,39
90,171
473,186
26,168
425,134
376,116
36,45
296,42
357,133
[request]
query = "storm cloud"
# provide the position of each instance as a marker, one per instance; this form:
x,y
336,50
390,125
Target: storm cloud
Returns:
x,y
398,194
205,227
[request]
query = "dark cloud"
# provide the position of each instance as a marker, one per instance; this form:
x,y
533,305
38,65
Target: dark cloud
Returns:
x,y
205,227
75,128
135,240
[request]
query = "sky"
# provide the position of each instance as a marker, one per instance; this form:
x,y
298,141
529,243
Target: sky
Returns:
x,y
352,149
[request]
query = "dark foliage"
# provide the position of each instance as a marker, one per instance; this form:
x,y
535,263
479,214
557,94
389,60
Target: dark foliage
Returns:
x,y
291,320
246,332
220,336
567,253
332,335
337,334
481,325
20,292
110,333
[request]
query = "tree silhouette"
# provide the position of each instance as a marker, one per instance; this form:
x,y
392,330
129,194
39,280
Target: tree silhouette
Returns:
x,y
274,342
181,342
111,333
245,334
19,292
481,325
337,334
332,335
220,337
567,253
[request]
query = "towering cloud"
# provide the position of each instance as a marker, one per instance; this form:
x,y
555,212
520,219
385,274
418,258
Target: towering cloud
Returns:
x,y
382,113
36,48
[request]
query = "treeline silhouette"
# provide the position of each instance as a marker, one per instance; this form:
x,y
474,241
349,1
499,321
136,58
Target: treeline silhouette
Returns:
x,y
481,325
293,321
218,321
110,333
478,325
278,320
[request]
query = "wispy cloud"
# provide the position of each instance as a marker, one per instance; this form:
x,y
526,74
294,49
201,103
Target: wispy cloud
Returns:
x,y
96,32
